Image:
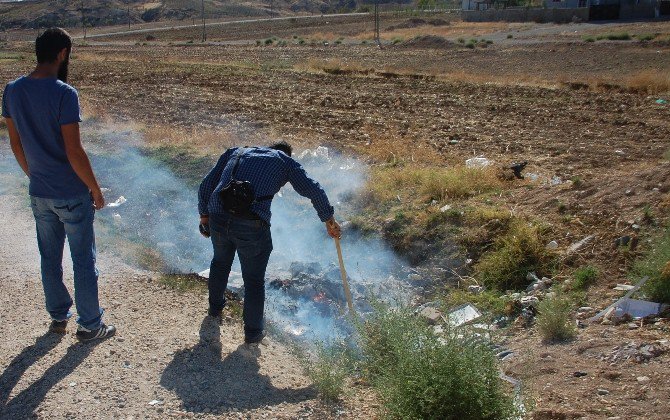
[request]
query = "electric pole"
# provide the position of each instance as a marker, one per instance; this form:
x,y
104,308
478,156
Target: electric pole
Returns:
x,y
128,16
204,29
377,24
83,19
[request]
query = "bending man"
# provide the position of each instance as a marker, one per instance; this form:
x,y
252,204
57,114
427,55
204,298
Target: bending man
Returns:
x,y
234,204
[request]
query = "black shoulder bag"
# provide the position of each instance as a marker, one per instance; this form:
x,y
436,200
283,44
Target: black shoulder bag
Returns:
x,y
238,196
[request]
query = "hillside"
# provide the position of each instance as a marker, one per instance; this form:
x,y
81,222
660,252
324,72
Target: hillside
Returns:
x,y
68,13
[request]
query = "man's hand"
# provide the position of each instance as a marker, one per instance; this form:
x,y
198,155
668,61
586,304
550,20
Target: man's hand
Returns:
x,y
204,226
98,199
334,230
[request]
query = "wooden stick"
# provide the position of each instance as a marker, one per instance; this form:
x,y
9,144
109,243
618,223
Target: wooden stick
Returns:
x,y
345,282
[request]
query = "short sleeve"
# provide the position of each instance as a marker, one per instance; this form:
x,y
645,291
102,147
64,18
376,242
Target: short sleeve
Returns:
x,y
69,108
5,107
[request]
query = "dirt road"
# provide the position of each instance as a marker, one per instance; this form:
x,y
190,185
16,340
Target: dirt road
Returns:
x,y
167,360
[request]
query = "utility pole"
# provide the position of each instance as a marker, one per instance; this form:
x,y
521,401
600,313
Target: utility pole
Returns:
x,y
204,29
83,19
128,16
377,40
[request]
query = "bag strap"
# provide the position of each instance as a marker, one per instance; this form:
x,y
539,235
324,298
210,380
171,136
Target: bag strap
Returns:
x,y
238,155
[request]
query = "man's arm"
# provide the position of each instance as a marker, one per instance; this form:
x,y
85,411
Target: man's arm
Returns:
x,y
17,147
307,187
78,158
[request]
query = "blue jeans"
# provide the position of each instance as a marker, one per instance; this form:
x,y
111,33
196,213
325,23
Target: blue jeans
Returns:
x,y
56,220
253,242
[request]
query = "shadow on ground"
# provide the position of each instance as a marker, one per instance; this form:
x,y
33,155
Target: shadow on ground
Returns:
x,y
205,382
24,403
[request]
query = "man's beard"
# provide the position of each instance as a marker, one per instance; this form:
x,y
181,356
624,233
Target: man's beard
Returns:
x,y
63,70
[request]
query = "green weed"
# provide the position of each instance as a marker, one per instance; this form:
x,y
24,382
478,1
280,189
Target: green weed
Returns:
x,y
419,375
585,277
553,319
656,265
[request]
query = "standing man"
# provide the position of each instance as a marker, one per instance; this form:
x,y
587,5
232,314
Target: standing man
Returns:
x,y
234,204
42,114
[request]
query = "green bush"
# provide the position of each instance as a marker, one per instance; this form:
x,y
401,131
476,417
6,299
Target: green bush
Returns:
x,y
419,375
646,37
461,40
269,41
585,277
470,45
589,39
621,36
329,372
516,253
553,319
656,265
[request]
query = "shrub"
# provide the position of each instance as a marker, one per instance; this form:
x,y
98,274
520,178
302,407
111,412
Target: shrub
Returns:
x,y
656,265
516,253
470,45
461,40
396,41
420,375
585,277
268,41
329,372
589,39
621,36
646,37
553,319
510,36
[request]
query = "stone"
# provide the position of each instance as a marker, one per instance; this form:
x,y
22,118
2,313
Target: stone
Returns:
x,y
579,374
643,379
585,309
602,391
445,208
431,314
552,245
527,301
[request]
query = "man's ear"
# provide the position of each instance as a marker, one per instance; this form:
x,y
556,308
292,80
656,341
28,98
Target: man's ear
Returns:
x,y
62,55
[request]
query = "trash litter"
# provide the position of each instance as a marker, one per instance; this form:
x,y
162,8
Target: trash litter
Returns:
x,y
661,101
463,314
477,162
578,246
624,287
552,245
155,402
638,308
555,180
475,289
118,202
517,167
445,208
116,217
629,241
527,301
631,307
431,314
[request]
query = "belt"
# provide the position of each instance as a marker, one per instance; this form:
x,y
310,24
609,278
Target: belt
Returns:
x,y
245,216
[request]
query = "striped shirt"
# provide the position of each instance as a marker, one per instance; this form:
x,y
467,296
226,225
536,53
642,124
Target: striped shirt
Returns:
x,y
267,170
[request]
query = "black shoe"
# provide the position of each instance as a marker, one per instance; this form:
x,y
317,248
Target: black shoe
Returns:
x,y
255,340
104,331
58,327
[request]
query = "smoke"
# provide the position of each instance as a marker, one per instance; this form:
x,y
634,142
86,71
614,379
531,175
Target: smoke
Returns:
x,y
160,212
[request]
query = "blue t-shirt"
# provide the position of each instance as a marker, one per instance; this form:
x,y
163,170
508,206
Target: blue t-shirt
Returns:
x,y
38,108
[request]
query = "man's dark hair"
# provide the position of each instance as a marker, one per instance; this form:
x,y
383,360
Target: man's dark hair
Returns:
x,y
50,43
282,146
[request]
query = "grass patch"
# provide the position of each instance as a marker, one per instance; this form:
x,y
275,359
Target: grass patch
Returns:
x,y
553,319
515,253
428,184
646,37
589,39
420,375
656,265
585,277
649,82
183,282
618,36
666,155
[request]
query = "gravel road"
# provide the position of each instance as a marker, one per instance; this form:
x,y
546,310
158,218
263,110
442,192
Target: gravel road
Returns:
x,y
166,361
